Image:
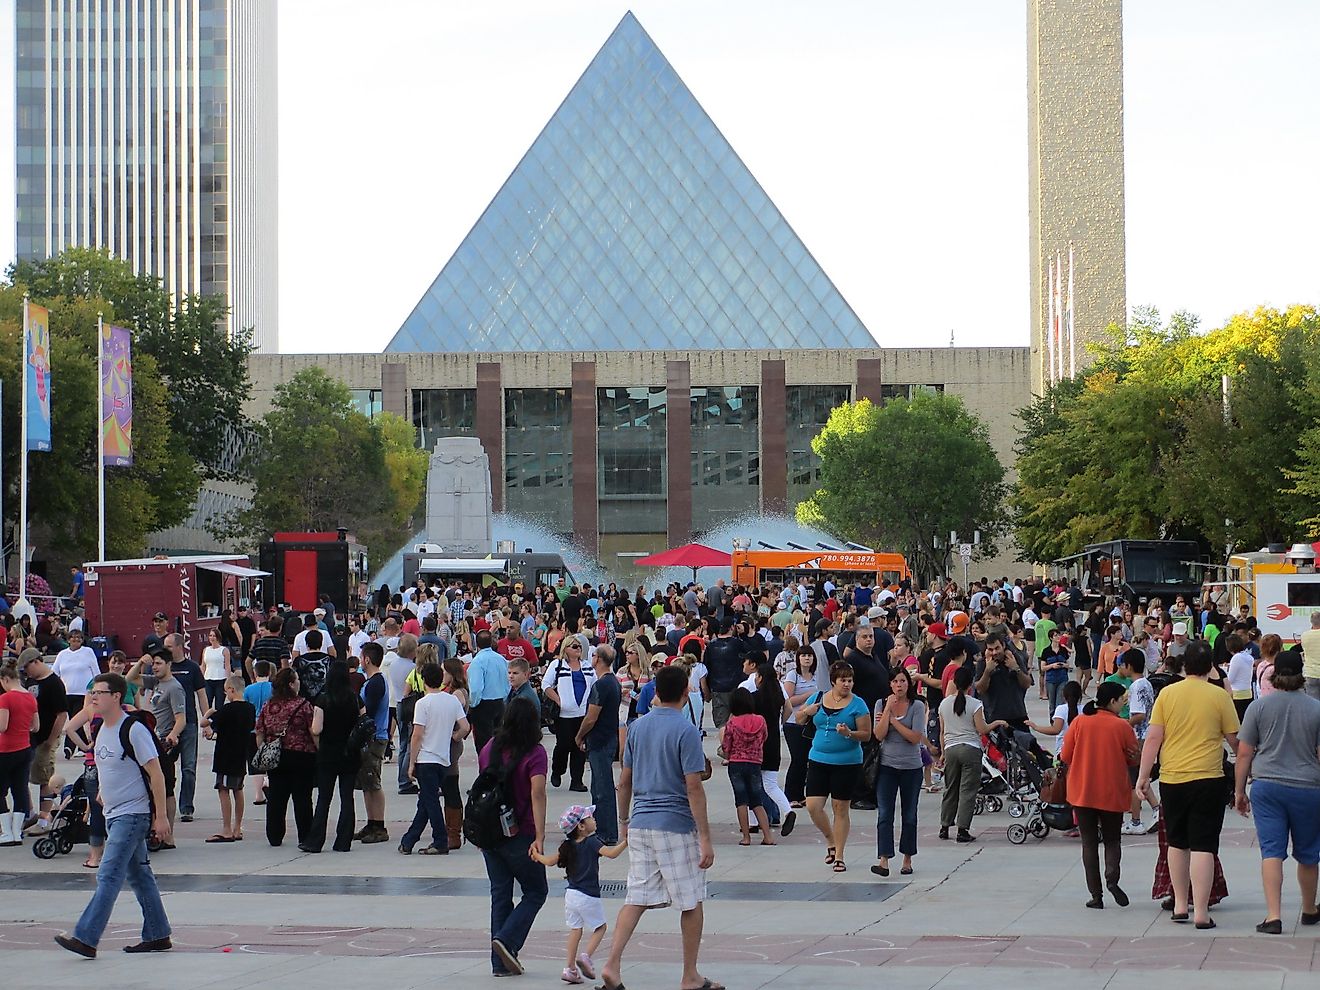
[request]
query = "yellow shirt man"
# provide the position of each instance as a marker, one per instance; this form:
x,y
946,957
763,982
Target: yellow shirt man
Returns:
x,y
1196,716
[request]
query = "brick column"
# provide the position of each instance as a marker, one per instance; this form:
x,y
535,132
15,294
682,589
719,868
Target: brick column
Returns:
x,y
774,437
489,415
394,389
678,451
868,380
586,505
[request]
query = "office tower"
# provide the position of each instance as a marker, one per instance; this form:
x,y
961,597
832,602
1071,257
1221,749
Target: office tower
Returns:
x,y
148,127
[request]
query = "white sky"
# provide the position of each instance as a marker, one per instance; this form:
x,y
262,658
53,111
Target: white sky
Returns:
x,y
892,135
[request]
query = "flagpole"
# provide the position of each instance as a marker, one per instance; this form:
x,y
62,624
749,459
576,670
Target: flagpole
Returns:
x,y
1072,338
23,606
100,458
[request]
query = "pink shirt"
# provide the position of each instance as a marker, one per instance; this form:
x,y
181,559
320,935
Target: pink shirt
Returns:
x,y
744,739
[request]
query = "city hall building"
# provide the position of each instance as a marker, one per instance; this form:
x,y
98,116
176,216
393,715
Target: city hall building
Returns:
x,y
642,343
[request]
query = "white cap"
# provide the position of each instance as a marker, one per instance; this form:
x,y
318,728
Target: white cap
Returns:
x,y
875,612
1180,629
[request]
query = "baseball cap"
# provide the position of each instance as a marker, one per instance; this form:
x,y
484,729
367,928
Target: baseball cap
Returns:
x,y
574,815
875,612
160,617
1180,629
28,655
957,622
319,612
1288,663
937,630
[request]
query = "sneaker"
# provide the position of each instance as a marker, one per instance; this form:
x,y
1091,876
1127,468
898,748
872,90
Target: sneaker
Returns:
x,y
376,834
587,965
1154,824
510,961
185,818
39,827
572,976
1133,827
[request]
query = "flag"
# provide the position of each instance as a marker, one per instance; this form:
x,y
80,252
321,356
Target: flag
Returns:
x,y
116,396
36,367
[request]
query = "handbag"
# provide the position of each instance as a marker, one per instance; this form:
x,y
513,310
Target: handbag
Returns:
x,y
809,727
269,753
1054,787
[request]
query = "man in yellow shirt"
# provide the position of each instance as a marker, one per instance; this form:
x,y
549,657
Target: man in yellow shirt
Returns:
x,y
1188,727
1311,656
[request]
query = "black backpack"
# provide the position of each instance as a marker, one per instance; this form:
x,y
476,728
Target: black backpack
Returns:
x,y
361,736
147,720
488,819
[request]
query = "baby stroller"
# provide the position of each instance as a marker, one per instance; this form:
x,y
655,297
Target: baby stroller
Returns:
x,y
1046,809
68,823
993,782
1023,771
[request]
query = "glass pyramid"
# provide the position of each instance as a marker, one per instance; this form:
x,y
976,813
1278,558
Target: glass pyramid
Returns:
x,y
630,224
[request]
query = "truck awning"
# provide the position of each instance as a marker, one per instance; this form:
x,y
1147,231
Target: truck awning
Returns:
x,y
462,565
220,567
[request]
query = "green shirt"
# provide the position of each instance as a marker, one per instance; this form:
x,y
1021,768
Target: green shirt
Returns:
x,y
1127,684
1043,629
130,696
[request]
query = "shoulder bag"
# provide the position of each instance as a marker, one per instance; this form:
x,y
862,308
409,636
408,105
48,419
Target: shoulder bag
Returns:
x,y
269,753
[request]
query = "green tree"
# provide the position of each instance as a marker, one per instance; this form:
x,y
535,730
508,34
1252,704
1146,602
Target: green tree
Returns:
x,y
905,474
317,463
154,493
205,370
1143,445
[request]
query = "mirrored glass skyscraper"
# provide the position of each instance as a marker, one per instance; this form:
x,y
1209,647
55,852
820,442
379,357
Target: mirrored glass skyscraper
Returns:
x,y
148,127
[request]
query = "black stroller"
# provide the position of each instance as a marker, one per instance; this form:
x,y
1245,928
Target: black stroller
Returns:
x,y
68,823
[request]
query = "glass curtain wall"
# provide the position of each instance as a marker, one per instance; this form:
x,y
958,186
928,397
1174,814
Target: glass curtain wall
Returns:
x,y
809,408
726,454
443,412
538,456
631,445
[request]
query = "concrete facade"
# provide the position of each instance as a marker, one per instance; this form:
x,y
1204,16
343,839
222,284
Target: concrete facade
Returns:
x,y
1075,136
993,382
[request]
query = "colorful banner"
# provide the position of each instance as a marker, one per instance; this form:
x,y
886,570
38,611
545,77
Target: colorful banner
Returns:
x,y
37,374
116,397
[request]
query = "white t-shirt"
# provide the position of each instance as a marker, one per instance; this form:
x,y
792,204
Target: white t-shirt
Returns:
x,y
75,668
213,663
1062,713
439,713
1029,618
1240,669
694,679
396,670
300,643
355,642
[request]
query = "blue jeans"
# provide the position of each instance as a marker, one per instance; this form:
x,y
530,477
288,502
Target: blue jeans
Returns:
x,y
405,739
187,768
125,858
429,808
889,784
505,864
601,759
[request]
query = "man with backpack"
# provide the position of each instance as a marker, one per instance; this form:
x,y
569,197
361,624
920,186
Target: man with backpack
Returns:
x,y
169,708
132,791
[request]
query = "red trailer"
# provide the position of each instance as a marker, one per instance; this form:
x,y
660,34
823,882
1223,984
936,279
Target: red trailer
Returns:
x,y
305,565
123,595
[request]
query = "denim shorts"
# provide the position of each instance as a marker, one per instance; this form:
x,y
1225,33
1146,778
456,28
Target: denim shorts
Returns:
x,y
746,781
1280,812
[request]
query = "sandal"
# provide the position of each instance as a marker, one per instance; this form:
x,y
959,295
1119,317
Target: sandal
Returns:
x,y
839,867
744,842
829,855
933,788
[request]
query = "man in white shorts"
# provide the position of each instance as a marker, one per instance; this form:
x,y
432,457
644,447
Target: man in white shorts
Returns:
x,y
669,847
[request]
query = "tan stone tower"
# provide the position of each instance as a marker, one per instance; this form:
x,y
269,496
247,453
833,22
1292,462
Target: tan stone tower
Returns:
x,y
1075,133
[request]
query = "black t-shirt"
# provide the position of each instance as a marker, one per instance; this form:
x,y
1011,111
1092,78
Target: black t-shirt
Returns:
x,y
607,694
1004,698
51,702
233,723
311,669
724,663
870,676
152,642
585,875
337,723
189,676
247,630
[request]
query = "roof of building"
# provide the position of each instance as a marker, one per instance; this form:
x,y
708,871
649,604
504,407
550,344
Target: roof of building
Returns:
x,y
630,224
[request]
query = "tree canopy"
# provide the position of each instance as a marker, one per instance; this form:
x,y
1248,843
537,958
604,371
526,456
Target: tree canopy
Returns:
x,y
317,463
903,475
1147,443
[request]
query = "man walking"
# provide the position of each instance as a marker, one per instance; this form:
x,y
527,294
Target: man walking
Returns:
x,y
669,846
598,737
132,790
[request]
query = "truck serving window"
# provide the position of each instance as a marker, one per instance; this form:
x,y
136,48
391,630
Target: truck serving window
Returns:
x,y
1304,594
1151,567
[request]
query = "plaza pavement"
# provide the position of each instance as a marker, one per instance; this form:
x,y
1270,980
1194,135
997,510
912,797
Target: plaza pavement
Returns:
x,y
985,915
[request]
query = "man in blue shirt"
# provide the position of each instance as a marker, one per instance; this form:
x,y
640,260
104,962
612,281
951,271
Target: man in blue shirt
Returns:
x,y
488,684
598,737
669,837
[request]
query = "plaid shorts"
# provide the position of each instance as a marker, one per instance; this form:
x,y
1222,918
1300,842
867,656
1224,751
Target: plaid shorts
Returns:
x,y
664,868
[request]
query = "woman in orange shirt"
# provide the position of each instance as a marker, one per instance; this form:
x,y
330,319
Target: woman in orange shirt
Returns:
x,y
1099,748
1107,662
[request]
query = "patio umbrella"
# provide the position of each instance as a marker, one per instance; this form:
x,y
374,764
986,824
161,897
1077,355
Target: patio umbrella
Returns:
x,y
693,555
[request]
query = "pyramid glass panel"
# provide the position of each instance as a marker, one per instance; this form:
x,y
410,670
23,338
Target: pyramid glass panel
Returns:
x,y
630,220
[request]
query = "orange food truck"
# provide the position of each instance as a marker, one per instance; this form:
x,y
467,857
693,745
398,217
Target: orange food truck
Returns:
x,y
753,568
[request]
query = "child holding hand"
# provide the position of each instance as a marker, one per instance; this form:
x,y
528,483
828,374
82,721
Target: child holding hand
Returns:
x,y
579,854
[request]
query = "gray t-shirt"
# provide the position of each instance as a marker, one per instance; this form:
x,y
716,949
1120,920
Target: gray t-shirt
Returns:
x,y
663,746
960,730
1284,728
167,701
897,752
122,789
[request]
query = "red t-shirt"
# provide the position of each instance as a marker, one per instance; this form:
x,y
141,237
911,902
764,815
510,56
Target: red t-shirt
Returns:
x,y
22,706
517,649
829,608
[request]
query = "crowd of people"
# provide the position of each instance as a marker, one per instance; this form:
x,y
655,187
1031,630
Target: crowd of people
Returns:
x,y
861,695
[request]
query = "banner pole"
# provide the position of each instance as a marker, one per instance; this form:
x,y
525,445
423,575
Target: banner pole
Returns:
x,y
99,448
23,606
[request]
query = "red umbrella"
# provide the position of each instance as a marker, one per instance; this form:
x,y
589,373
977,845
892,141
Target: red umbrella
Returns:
x,y
694,555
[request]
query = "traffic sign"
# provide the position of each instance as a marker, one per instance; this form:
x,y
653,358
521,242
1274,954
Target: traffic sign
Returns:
x,y
965,551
